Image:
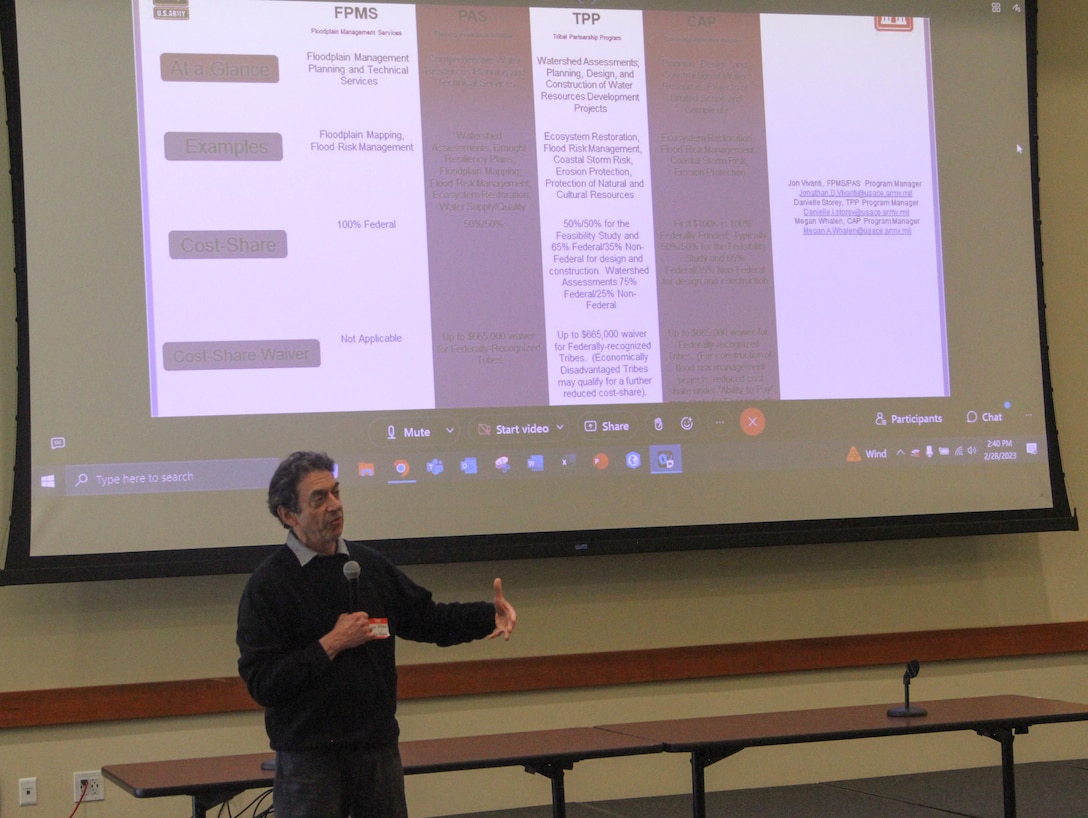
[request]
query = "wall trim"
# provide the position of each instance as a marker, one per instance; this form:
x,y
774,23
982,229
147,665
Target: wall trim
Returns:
x,y
200,697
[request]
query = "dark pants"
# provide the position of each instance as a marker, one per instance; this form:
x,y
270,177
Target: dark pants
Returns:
x,y
336,782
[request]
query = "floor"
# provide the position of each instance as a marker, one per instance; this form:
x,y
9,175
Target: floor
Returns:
x,y
1055,789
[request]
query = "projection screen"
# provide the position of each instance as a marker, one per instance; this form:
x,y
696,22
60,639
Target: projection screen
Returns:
x,y
543,279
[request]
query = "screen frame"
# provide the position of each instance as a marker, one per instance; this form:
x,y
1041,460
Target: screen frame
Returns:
x,y
21,568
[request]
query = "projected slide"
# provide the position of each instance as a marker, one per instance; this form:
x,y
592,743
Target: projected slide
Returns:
x,y
399,207
542,281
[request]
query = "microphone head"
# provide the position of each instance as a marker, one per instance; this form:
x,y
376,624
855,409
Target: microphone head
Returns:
x,y
913,666
352,570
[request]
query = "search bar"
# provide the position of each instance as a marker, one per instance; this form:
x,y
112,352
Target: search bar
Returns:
x,y
168,477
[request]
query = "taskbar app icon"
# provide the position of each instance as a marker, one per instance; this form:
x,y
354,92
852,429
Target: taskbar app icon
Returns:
x,y
666,460
661,459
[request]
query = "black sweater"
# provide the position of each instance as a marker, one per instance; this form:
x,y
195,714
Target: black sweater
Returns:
x,y
310,700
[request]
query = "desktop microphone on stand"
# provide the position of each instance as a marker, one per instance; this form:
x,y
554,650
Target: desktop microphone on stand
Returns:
x,y
906,709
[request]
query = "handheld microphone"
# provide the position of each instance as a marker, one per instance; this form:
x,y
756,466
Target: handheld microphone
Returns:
x,y
351,572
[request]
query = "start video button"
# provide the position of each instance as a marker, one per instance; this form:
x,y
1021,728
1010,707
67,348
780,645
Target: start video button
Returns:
x,y
519,426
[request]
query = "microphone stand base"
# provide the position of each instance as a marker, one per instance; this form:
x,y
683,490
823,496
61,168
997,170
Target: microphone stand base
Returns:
x,y
905,712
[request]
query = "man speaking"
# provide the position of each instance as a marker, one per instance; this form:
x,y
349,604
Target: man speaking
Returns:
x,y
316,628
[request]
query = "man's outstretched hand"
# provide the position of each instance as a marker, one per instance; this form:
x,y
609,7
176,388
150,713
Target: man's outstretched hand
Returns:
x,y
505,615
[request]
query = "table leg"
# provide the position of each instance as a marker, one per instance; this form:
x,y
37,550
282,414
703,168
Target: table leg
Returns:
x,y
700,760
206,801
1008,774
698,784
555,772
559,796
1004,736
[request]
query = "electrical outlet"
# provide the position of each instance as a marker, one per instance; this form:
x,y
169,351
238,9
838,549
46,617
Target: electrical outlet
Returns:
x,y
93,781
28,792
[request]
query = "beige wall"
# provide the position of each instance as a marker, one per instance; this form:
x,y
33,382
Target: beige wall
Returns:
x,y
117,632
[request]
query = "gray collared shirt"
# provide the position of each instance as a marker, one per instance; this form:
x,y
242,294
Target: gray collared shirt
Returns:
x,y
305,553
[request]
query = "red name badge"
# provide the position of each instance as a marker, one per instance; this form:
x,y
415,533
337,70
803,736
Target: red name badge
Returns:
x,y
379,628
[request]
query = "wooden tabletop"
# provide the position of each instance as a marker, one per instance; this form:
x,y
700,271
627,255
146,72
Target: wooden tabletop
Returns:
x,y
191,776
564,746
196,776
508,749
859,721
